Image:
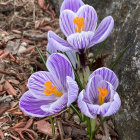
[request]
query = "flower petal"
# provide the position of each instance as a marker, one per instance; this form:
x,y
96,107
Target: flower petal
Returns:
x,y
80,41
58,105
36,85
114,107
99,109
72,56
58,43
90,17
32,106
104,84
73,5
108,75
92,89
66,22
60,67
83,106
72,90
50,49
103,31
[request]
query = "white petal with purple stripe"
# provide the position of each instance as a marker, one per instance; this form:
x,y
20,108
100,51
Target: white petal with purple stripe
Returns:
x,y
58,43
103,31
66,22
90,17
72,90
107,75
32,106
36,84
80,41
73,5
60,67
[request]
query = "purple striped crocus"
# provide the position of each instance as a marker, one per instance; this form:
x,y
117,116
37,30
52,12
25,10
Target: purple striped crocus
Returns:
x,y
100,97
49,92
78,23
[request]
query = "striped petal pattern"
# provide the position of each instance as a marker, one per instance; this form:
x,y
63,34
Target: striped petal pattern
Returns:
x,y
36,102
72,5
90,17
108,75
90,102
80,41
60,67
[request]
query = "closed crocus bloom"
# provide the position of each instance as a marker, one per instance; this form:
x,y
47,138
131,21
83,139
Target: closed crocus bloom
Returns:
x,y
49,92
78,23
100,97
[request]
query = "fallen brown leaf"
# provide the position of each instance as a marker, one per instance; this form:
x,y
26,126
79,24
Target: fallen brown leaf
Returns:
x,y
45,127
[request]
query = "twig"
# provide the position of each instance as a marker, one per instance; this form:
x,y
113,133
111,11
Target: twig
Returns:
x,y
60,129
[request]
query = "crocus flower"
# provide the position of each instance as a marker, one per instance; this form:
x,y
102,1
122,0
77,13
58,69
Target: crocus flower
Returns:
x,y
78,23
49,92
100,97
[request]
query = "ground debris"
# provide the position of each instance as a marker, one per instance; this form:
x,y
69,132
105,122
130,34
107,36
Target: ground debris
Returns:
x,y
4,107
45,127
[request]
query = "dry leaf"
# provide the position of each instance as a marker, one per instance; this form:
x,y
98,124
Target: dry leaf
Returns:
x,y
45,127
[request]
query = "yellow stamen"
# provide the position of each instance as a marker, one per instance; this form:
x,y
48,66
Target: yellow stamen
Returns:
x,y
102,94
49,90
79,21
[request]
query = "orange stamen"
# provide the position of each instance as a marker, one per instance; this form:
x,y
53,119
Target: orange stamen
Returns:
x,y
79,21
102,94
49,90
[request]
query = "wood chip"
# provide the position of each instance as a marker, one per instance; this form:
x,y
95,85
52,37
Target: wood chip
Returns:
x,y
9,88
4,107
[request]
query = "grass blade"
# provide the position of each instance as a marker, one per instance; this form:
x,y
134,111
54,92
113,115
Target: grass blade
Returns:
x,y
41,56
98,51
76,111
119,57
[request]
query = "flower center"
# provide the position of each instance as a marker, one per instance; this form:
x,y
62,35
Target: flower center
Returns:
x,y
49,90
102,94
79,21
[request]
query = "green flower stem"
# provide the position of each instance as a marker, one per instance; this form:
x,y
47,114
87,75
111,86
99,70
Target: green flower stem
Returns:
x,y
41,56
93,125
98,127
53,128
69,113
98,51
76,111
78,80
88,125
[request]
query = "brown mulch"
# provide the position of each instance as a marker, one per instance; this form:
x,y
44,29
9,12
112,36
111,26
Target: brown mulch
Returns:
x,y
23,24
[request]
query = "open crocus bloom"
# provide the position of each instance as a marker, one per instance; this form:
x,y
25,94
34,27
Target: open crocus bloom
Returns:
x,y
49,92
78,22
100,96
